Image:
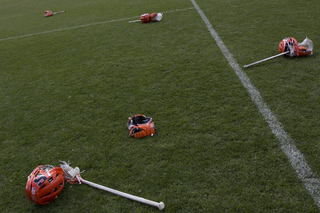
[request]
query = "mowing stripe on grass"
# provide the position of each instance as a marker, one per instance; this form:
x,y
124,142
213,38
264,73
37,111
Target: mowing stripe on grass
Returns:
x,y
288,146
85,25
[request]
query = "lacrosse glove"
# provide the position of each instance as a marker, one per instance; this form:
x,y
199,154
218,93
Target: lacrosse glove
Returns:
x,y
142,130
140,126
138,120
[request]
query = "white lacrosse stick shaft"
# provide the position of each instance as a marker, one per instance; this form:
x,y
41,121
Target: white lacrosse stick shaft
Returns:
x,y
72,173
160,205
266,59
59,12
134,21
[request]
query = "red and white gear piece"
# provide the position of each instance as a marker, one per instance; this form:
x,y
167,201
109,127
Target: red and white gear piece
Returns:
x,y
145,18
290,44
48,13
153,17
44,184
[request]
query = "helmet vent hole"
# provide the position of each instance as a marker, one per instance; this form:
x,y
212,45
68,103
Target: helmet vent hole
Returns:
x,y
50,180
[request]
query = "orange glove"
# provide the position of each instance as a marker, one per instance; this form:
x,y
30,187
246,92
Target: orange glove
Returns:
x,y
142,130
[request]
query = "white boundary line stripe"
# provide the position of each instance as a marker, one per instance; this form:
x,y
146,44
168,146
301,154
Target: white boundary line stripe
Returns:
x,y
85,25
288,146
190,8
62,29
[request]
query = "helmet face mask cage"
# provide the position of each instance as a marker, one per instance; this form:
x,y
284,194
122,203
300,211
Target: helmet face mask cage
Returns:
x,y
48,13
290,45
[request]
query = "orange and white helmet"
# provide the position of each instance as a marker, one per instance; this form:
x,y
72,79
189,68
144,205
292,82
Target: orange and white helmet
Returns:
x,y
282,46
289,44
145,18
48,13
44,184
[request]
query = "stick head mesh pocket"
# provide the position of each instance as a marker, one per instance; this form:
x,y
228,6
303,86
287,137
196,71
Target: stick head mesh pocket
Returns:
x,y
307,43
72,175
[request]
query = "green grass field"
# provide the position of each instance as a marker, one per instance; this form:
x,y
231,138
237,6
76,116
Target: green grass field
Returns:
x,y
69,83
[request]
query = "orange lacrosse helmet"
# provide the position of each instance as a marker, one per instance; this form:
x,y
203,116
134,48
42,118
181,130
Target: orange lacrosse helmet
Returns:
x,y
145,18
48,13
283,45
44,184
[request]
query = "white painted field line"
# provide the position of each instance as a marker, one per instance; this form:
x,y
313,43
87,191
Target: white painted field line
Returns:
x,y
85,25
62,29
288,146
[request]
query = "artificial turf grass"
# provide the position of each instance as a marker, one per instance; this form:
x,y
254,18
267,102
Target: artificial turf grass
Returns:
x,y
210,140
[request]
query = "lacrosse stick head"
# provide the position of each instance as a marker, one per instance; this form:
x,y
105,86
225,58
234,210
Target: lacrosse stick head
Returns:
x,y
44,184
307,43
48,13
72,175
158,16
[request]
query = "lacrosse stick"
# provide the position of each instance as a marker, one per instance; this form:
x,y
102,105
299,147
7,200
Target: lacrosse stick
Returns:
x,y
266,59
72,176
